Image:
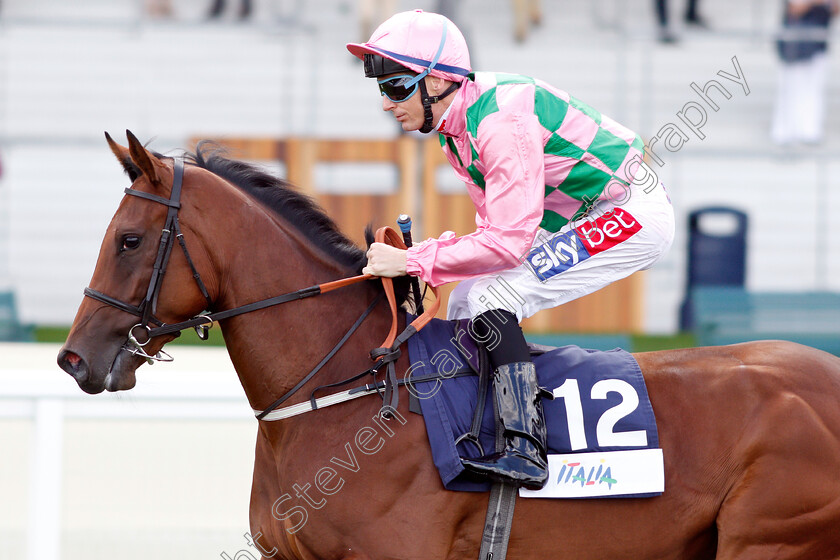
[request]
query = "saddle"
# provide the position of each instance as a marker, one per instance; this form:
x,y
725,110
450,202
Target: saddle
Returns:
x,y
601,402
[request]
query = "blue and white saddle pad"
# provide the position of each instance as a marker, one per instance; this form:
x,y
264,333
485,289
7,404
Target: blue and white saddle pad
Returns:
x,y
602,435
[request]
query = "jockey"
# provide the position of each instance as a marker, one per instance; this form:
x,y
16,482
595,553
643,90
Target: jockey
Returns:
x,y
564,206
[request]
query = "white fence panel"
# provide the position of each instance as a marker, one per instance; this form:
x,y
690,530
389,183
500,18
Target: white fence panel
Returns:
x,y
162,471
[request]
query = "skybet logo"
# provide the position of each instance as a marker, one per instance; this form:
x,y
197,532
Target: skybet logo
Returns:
x,y
608,230
561,252
566,249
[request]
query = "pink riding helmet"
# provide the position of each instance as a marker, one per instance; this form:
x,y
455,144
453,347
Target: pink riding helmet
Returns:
x,y
421,41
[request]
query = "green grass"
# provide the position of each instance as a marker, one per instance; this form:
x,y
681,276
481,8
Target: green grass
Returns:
x,y
650,343
638,343
59,335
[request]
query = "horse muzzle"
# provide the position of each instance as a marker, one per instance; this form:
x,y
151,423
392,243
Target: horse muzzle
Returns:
x,y
119,375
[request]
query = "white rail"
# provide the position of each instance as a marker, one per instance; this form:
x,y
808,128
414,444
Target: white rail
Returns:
x,y
200,385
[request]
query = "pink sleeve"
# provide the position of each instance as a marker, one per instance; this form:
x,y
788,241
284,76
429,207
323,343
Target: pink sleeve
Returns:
x,y
510,145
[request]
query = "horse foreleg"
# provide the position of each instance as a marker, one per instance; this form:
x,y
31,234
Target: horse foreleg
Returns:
x,y
267,533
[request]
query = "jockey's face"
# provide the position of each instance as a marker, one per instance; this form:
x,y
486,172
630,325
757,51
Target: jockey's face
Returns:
x,y
409,113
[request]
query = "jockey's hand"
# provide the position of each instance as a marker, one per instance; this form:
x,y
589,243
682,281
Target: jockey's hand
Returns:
x,y
384,260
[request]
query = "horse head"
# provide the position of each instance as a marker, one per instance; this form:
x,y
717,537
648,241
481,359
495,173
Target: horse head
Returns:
x,y
129,291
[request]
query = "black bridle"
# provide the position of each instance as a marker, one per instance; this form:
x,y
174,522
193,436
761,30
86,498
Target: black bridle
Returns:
x,y
146,309
171,231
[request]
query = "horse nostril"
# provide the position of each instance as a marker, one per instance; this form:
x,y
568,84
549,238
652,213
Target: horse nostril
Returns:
x,y
72,363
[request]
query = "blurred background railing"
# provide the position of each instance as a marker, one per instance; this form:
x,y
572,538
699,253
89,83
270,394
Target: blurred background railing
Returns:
x,y
71,71
164,472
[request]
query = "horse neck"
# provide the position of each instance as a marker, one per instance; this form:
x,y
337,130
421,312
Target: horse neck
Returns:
x,y
273,349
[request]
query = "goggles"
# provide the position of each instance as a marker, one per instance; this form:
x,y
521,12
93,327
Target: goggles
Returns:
x,y
399,88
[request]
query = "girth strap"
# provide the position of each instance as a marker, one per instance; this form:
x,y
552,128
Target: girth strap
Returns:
x,y
497,524
502,500
500,506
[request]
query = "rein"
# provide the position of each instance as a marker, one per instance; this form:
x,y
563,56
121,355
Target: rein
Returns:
x,y
385,355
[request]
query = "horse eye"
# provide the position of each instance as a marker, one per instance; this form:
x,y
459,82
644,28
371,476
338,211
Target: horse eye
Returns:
x,y
130,242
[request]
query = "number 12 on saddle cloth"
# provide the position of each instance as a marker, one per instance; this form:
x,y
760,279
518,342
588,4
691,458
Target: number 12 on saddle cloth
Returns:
x,y
602,435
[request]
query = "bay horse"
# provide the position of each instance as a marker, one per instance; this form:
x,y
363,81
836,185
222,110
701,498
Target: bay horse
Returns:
x,y
750,432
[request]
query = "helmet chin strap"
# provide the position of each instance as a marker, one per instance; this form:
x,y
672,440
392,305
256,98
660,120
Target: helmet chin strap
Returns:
x,y
428,101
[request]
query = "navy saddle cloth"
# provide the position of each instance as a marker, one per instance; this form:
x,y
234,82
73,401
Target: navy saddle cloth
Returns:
x,y
600,404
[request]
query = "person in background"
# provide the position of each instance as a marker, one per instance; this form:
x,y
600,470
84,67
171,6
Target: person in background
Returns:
x,y
159,9
799,113
218,8
560,212
692,17
526,13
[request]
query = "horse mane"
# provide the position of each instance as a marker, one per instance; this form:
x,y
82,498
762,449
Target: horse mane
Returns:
x,y
298,209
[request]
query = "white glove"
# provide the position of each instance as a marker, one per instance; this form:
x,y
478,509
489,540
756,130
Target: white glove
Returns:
x,y
385,260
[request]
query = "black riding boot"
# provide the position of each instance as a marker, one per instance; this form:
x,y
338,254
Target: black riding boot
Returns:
x,y
523,460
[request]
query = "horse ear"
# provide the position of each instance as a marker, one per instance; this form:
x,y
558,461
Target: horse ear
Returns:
x,y
123,156
150,165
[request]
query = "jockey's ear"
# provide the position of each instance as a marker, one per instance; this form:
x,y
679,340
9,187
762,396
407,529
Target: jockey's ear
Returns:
x,y
154,169
437,85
